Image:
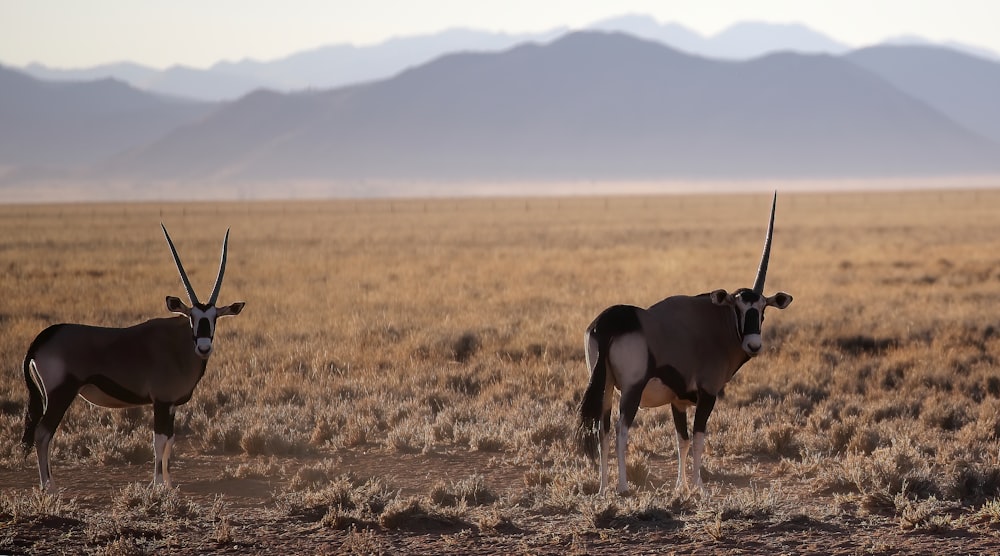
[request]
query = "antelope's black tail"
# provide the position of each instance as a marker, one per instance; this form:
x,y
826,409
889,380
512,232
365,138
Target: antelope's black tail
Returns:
x,y
613,322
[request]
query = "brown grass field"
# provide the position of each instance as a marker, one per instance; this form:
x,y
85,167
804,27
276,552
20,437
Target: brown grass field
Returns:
x,y
405,375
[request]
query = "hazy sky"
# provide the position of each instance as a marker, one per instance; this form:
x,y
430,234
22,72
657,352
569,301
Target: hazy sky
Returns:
x,y
79,33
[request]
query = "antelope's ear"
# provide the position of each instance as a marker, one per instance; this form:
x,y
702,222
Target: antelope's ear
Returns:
x,y
721,297
779,300
175,305
231,310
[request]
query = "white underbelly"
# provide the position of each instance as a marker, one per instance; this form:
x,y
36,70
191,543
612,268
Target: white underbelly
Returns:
x,y
97,396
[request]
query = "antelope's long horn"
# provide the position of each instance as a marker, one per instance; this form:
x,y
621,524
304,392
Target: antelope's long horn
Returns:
x,y
758,285
180,268
222,270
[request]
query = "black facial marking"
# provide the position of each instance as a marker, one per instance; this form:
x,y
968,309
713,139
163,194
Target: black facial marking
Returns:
x,y
751,322
204,328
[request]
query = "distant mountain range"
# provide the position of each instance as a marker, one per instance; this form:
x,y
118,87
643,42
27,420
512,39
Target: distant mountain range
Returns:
x,y
587,106
70,124
339,65
322,68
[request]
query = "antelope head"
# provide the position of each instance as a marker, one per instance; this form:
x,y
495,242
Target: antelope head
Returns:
x,y
749,303
201,315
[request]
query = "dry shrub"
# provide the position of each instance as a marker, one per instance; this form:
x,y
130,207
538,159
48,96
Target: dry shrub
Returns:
x,y
987,515
599,513
463,384
314,504
355,433
364,541
752,504
124,546
222,530
323,432
781,440
539,476
405,440
132,449
945,414
273,439
973,481
927,515
637,468
311,477
641,510
547,431
153,501
34,504
465,347
225,436
489,440
339,503
495,520
257,469
831,435
415,513
899,469
472,491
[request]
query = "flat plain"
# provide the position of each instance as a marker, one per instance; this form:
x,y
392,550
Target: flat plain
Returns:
x,y
405,375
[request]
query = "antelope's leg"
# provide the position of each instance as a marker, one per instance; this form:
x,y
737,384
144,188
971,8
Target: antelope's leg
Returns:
x,y
683,444
627,409
163,441
605,427
59,400
605,436
706,402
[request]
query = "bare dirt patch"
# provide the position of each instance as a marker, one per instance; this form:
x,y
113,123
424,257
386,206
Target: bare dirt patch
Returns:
x,y
786,517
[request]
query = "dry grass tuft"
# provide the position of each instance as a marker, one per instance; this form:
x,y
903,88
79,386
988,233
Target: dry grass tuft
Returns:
x,y
472,491
153,502
36,505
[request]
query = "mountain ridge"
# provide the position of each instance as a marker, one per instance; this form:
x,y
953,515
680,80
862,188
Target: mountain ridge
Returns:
x,y
336,65
590,105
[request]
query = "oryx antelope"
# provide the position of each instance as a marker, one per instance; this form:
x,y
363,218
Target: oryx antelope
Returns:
x,y
681,351
157,362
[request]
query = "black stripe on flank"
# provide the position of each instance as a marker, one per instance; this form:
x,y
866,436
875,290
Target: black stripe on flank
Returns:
x,y
116,391
672,379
